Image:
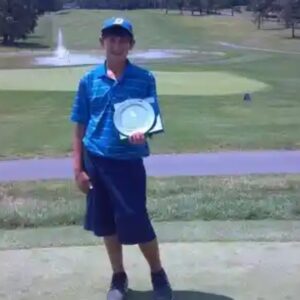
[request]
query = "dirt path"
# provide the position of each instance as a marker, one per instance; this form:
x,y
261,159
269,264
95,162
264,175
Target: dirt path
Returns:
x,y
201,164
211,271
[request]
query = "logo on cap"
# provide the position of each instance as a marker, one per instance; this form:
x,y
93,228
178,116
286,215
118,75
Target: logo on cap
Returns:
x,y
119,21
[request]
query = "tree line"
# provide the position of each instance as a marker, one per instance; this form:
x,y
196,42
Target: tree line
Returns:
x,y
18,18
164,4
284,11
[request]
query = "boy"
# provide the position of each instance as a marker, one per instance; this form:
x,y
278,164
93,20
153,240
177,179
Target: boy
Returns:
x,y
109,170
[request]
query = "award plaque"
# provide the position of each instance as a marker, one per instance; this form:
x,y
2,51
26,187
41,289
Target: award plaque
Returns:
x,y
134,115
144,108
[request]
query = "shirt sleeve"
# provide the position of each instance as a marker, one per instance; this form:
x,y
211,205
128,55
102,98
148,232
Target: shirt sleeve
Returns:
x,y
152,92
80,109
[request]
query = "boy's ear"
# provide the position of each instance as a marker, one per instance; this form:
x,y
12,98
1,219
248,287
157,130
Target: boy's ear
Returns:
x,y
132,44
101,40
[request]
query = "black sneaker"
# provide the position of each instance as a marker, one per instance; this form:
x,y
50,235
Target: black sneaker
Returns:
x,y
161,286
118,287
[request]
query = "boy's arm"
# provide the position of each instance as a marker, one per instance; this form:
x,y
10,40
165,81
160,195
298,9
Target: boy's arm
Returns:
x,y
80,116
79,131
81,177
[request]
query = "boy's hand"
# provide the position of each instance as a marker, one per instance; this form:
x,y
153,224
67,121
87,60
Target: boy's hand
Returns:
x,y
83,181
137,138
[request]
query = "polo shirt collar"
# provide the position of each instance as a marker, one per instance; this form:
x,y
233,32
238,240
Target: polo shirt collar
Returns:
x,y
102,70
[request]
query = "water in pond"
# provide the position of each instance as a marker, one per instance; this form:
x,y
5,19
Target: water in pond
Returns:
x,y
62,56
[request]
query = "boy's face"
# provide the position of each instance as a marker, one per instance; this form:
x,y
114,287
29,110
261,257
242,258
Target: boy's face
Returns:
x,y
117,43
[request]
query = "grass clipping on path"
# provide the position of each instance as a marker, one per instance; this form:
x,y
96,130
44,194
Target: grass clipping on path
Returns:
x,y
192,198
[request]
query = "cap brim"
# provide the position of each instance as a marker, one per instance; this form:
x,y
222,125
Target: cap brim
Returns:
x,y
117,26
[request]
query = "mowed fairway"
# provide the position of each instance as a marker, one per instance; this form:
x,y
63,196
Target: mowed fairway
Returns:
x,y
201,100
168,83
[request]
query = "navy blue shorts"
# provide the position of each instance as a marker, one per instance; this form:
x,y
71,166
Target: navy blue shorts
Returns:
x,y
117,202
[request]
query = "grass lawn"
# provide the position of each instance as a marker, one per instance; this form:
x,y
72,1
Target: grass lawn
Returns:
x,y
206,83
38,124
201,99
192,198
81,30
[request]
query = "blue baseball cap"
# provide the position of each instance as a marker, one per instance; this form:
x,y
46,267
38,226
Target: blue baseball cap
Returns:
x,y
119,22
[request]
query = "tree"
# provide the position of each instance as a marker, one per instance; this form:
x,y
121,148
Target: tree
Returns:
x,y
295,16
50,5
18,18
196,5
169,4
286,13
261,8
287,10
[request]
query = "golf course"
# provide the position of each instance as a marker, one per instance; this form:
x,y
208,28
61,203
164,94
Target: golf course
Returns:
x,y
204,66
201,96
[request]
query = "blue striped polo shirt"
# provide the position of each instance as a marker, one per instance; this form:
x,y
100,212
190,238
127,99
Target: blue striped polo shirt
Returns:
x,y
93,107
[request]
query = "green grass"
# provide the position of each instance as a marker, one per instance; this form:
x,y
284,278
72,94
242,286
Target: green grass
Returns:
x,y
191,198
201,99
38,124
168,232
34,124
81,30
168,83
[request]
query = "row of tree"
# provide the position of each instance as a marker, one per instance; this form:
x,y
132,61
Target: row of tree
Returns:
x,y
169,4
205,6
286,11
117,4
18,18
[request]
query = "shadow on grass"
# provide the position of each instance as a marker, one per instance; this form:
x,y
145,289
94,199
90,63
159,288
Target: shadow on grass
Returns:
x,y
273,29
291,38
26,45
178,295
31,45
36,36
63,12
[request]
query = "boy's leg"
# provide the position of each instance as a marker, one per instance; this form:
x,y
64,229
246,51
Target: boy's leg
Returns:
x,y
119,282
115,253
100,219
161,285
150,251
127,184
